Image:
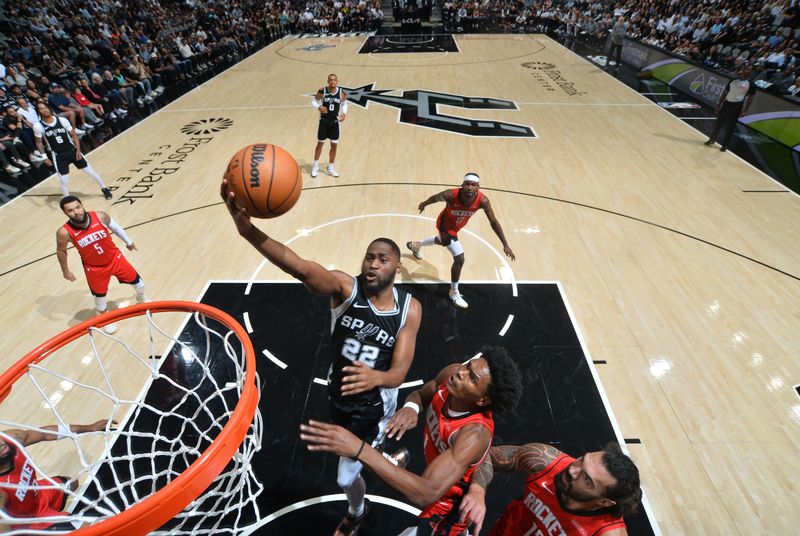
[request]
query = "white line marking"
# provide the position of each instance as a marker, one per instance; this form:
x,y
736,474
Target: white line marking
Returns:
x,y
508,325
476,356
299,505
247,324
584,103
657,93
273,358
697,118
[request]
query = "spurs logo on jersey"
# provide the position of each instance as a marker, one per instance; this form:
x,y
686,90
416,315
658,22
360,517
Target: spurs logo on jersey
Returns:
x,y
333,102
421,108
57,136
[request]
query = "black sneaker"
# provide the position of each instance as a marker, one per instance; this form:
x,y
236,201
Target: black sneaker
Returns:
x,y
723,148
709,142
349,525
106,193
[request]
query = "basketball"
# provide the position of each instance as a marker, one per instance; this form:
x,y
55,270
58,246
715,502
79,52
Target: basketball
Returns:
x,y
265,179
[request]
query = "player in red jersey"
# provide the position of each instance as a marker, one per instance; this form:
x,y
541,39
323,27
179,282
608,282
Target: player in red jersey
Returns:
x,y
458,409
90,233
461,204
21,495
563,495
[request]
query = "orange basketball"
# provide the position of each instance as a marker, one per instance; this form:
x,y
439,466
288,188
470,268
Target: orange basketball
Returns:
x,y
265,179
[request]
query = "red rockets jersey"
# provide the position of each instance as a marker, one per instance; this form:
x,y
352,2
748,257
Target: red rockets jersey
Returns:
x,y
24,496
94,243
455,215
439,431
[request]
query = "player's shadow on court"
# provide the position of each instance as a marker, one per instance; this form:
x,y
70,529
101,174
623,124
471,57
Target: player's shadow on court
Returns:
x,y
679,139
422,270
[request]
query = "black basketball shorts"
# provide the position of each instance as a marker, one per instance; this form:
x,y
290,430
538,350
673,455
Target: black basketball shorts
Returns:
x,y
64,159
328,130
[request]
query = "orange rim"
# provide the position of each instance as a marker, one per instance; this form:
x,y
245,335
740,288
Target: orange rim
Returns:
x,y
163,505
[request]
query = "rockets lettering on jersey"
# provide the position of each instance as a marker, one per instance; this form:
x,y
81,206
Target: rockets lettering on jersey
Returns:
x,y
545,515
90,239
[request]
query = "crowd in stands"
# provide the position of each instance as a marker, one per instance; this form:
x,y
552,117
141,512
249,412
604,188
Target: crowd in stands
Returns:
x,y
103,63
721,34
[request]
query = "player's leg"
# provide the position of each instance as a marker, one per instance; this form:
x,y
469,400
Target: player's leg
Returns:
x,y
127,274
455,248
98,278
416,247
334,138
84,165
61,162
322,135
349,477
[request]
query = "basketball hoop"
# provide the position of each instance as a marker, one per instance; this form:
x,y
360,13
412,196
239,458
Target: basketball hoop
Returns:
x,y
205,398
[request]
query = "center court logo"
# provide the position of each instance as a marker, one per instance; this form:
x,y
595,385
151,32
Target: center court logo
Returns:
x,y
550,78
207,126
420,108
165,160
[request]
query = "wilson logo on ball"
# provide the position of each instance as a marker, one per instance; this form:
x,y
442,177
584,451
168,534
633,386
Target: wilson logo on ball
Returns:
x,y
256,159
265,180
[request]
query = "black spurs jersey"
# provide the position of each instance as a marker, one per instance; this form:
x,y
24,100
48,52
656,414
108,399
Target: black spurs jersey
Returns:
x,y
333,102
57,136
361,332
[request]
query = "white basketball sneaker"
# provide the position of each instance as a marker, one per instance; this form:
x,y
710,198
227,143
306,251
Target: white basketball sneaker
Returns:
x,y
458,299
332,172
314,171
416,250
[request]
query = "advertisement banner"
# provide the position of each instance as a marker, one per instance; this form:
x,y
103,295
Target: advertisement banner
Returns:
x,y
773,116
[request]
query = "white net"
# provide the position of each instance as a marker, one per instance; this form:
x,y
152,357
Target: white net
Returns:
x,y
170,408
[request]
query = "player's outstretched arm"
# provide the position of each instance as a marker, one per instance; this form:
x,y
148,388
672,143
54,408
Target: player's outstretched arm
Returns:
x,y
445,195
406,417
486,205
54,432
62,241
359,377
312,275
470,444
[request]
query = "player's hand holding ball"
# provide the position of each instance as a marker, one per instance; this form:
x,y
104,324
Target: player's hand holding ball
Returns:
x,y
262,180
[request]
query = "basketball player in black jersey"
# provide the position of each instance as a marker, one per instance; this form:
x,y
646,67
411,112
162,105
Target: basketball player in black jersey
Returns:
x,y
373,334
63,148
331,102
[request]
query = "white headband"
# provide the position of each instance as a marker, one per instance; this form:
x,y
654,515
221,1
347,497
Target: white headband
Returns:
x,y
472,177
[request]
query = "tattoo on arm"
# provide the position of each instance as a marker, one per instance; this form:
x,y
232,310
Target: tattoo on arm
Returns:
x,y
530,458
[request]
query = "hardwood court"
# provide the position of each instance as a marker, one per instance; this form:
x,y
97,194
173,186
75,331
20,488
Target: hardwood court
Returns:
x,y
683,283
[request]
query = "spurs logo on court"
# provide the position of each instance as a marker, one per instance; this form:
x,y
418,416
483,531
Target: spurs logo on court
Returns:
x,y
315,48
421,108
207,126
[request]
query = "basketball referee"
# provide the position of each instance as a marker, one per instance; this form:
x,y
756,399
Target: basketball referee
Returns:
x,y
733,103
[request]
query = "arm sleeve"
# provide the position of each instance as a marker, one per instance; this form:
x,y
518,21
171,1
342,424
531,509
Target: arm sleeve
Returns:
x,y
315,103
37,130
119,231
344,107
65,123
